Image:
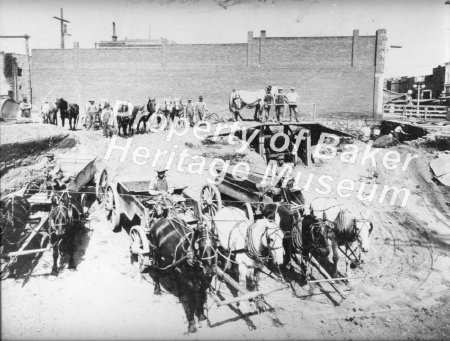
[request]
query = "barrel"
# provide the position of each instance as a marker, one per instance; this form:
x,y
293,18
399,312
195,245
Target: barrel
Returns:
x,y
9,109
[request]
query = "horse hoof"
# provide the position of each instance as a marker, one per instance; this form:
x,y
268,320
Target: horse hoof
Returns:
x,y
54,273
157,292
72,267
203,323
192,329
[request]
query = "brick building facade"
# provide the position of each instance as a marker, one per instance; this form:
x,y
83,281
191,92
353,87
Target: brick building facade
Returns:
x,y
340,74
14,71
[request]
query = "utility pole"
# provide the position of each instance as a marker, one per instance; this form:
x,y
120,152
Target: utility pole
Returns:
x,y
62,21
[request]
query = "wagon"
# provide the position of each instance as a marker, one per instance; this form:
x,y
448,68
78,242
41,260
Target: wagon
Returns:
x,y
129,203
245,194
81,171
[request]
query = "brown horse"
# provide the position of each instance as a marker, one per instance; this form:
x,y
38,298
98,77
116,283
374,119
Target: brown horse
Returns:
x,y
189,257
62,227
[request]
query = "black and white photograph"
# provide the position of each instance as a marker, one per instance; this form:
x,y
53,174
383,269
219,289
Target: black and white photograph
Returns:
x,y
225,170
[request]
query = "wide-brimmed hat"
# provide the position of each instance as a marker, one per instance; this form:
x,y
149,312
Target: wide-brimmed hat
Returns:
x,y
161,169
292,88
91,99
50,155
200,97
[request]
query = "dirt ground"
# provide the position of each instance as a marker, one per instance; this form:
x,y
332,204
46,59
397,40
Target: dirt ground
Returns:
x,y
401,292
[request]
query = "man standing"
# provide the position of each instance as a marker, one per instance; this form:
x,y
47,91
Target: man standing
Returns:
x,y
292,99
280,100
200,110
189,114
91,110
268,102
106,118
25,108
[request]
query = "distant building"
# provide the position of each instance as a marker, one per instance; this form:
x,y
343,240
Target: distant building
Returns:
x,y
436,84
13,76
132,43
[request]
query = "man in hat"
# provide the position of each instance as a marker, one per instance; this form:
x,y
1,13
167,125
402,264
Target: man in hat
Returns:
x,y
199,110
292,99
25,108
107,119
91,110
160,185
160,188
53,173
268,102
280,100
189,112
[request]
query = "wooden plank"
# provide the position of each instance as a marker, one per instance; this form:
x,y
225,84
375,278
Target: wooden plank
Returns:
x,y
251,295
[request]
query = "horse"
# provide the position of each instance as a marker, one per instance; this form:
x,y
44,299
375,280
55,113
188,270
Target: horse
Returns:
x,y
252,245
69,111
290,221
177,109
249,99
165,108
189,256
123,116
49,111
349,229
14,214
62,227
141,115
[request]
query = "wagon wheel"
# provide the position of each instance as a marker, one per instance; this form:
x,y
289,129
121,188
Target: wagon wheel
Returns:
x,y
247,208
112,215
212,117
100,185
138,253
210,200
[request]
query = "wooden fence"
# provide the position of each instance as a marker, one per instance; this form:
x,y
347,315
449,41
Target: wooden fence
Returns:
x,y
433,112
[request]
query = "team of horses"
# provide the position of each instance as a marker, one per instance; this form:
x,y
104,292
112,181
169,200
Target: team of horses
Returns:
x,y
70,111
127,119
283,233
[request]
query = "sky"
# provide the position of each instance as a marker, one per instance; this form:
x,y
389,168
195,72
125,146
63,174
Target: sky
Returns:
x,y
420,27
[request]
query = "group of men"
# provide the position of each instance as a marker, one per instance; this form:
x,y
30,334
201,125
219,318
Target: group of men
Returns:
x,y
279,100
194,112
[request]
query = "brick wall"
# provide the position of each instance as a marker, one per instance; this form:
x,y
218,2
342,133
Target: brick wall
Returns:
x,y
337,73
7,84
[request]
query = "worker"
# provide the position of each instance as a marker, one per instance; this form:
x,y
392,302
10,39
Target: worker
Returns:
x,y
25,108
189,112
268,102
235,108
91,110
399,133
53,173
199,110
162,190
160,185
280,100
107,120
292,99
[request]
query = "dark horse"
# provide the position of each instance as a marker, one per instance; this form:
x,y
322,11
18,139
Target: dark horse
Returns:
x,y
14,214
62,228
141,115
69,111
304,235
189,257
